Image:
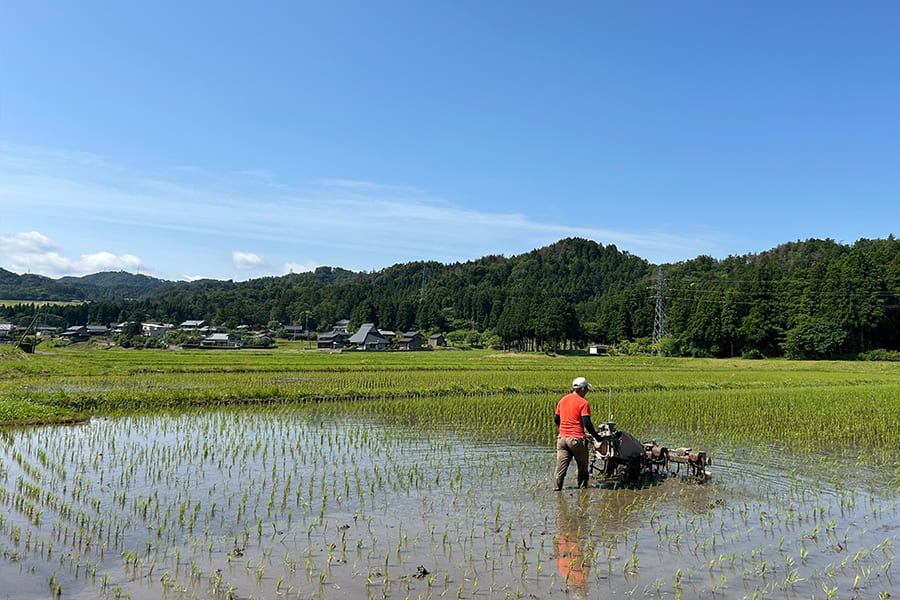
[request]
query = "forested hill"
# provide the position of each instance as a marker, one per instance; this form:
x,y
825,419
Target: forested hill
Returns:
x,y
117,285
816,298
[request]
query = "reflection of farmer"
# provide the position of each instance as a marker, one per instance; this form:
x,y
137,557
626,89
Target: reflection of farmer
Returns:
x,y
571,559
573,417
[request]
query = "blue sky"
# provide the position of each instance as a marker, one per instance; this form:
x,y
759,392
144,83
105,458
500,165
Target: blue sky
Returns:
x,y
235,140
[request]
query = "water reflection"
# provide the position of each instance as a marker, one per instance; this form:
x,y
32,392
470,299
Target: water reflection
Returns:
x,y
250,502
573,546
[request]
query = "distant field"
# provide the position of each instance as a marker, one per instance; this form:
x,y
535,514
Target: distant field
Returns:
x,y
40,302
493,392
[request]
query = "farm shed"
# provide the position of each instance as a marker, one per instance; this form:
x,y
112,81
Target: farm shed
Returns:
x,y
412,340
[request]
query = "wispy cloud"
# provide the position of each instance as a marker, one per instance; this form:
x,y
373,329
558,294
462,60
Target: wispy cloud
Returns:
x,y
342,222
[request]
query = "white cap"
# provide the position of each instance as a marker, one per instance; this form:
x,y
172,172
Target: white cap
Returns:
x,y
580,382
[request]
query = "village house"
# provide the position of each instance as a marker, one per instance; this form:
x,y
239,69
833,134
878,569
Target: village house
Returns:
x,y
368,338
155,330
332,340
6,332
437,340
45,330
192,325
97,330
412,340
76,333
222,340
211,329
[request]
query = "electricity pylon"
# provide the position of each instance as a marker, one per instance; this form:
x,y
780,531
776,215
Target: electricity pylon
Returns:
x,y
659,317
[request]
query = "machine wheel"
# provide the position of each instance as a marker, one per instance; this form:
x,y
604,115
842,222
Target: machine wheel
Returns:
x,y
628,473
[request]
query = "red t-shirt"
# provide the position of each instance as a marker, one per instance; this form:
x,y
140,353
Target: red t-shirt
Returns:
x,y
570,410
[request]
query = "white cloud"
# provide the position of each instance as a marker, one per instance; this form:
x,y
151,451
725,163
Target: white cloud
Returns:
x,y
358,225
107,261
33,252
247,260
293,267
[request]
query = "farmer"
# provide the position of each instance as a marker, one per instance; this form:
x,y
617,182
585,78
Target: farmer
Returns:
x,y
573,417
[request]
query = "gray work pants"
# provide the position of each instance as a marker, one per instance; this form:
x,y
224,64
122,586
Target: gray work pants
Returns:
x,y
566,449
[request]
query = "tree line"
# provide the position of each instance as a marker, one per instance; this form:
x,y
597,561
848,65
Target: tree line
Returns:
x,y
805,299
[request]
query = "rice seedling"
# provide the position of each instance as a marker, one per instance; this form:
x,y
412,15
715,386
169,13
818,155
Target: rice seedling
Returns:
x,y
269,467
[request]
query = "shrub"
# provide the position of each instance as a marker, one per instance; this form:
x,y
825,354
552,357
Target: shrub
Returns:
x,y
880,354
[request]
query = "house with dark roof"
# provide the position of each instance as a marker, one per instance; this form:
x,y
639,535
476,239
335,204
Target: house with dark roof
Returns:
x,y
412,340
45,330
437,340
119,327
76,333
368,338
332,340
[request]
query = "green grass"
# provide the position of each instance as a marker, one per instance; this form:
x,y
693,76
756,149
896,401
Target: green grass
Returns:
x,y
485,392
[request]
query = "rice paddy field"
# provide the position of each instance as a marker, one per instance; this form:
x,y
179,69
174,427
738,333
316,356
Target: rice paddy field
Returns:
x,y
293,474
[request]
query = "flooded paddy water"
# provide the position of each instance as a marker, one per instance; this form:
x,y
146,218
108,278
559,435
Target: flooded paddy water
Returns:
x,y
283,503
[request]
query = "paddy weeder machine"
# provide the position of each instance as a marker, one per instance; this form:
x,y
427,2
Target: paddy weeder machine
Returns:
x,y
619,455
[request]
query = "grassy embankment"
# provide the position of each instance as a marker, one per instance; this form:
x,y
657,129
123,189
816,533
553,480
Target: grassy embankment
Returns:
x,y
485,392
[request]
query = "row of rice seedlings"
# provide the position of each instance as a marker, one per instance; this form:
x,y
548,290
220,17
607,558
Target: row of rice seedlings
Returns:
x,y
299,500
485,375
859,414
429,372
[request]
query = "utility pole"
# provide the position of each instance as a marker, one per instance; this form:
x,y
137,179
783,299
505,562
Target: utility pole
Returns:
x,y
306,327
659,318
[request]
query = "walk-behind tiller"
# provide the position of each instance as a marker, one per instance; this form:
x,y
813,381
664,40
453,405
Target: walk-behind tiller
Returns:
x,y
619,455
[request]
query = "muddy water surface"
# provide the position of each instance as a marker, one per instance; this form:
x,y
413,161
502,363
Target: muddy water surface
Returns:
x,y
281,504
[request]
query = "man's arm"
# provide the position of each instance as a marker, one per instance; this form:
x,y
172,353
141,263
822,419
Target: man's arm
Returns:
x,y
589,427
